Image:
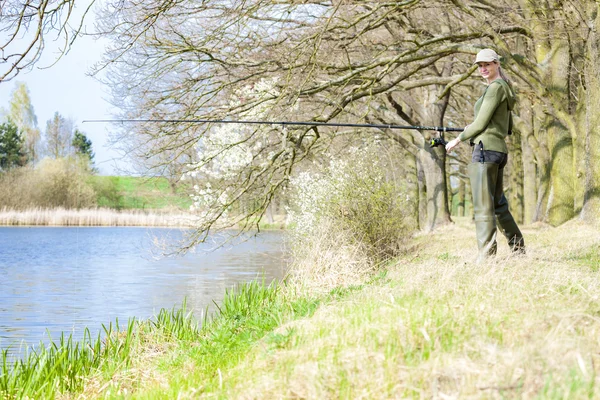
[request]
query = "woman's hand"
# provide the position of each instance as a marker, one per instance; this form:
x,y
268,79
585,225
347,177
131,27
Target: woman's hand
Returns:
x,y
452,144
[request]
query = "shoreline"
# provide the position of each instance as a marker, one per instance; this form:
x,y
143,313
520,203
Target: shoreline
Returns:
x,y
94,217
107,217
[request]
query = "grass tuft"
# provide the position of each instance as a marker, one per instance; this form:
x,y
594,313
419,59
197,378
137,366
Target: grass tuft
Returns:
x,y
60,366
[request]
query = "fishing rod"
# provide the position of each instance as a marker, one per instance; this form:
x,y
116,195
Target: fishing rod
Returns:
x,y
438,141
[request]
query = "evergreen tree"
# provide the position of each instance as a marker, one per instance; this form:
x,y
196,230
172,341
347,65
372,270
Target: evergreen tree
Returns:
x,y
82,145
12,153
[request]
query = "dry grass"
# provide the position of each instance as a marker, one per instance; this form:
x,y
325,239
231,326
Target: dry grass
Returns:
x,y
92,217
328,260
442,327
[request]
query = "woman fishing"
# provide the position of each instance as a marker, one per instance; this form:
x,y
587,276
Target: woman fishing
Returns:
x,y
487,133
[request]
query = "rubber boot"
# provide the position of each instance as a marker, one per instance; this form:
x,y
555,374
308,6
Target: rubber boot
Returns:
x,y
483,178
506,222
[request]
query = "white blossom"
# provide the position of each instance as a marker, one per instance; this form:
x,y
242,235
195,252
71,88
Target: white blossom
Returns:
x,y
228,151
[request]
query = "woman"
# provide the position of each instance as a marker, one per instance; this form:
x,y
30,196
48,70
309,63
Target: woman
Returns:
x,y
492,124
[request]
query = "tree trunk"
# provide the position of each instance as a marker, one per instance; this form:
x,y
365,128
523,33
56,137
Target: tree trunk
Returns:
x,y
460,211
590,211
543,162
561,206
514,178
433,164
422,195
529,179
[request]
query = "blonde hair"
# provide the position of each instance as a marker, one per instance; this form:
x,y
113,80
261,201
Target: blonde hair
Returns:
x,y
502,74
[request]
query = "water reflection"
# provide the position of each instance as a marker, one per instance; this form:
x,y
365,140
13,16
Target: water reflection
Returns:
x,y
64,279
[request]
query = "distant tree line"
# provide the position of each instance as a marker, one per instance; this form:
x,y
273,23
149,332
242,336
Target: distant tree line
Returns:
x,y
43,169
23,143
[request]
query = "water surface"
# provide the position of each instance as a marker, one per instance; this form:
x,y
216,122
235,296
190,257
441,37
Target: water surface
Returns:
x,y
66,279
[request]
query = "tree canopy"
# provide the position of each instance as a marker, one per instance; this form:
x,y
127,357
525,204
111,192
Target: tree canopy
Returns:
x,y
26,27
82,145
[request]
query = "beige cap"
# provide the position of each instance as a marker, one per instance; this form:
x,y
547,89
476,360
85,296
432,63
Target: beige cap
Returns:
x,y
487,55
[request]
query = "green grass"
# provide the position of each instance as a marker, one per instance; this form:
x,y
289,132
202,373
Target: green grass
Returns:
x,y
60,366
126,192
248,313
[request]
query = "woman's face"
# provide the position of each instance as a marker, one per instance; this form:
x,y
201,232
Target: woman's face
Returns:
x,y
488,70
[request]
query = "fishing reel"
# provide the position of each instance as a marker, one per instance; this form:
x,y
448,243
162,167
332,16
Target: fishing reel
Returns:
x,y
437,141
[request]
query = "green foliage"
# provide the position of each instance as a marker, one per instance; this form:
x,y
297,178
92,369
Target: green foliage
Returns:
x,y
12,153
359,198
62,365
69,183
21,111
107,192
65,183
248,313
177,324
375,212
83,146
22,114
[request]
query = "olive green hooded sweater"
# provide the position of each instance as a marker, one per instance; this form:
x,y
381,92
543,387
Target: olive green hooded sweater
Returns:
x,y
492,115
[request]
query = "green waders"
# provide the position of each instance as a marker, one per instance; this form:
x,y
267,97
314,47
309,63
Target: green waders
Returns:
x,y
489,205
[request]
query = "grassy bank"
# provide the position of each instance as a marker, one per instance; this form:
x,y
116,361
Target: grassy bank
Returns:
x,y
433,326
128,192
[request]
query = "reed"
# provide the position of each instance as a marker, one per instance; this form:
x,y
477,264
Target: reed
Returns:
x,y
93,217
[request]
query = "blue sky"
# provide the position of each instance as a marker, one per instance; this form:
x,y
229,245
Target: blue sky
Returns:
x,y
65,87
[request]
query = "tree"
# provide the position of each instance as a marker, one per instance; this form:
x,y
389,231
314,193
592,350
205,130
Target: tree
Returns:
x,y
22,114
12,153
552,58
59,136
26,27
82,145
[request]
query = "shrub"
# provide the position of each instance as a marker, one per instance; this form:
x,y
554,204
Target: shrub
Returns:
x,y
63,182
351,205
108,193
